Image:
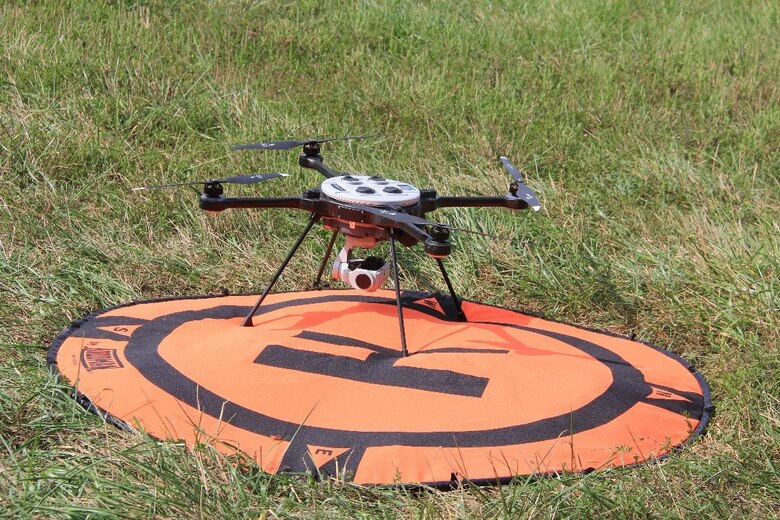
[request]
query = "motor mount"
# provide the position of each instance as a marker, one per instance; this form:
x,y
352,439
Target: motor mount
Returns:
x,y
439,245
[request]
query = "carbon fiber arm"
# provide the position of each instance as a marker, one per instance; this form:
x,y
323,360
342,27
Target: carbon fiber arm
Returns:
x,y
315,162
431,201
222,203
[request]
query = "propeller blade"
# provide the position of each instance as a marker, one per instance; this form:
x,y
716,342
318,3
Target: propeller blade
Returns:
x,y
405,218
237,179
512,169
288,145
528,195
250,179
272,145
522,191
349,138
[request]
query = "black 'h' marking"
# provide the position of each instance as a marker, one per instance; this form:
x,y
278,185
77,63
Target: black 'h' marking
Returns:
x,y
378,368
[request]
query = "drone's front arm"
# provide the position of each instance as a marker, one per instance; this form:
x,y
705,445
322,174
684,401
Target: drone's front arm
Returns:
x,y
313,202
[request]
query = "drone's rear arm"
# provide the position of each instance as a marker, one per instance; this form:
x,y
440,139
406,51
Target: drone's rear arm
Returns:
x,y
222,203
431,201
313,160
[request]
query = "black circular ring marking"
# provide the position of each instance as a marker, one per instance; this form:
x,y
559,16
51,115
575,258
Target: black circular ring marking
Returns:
x,y
142,353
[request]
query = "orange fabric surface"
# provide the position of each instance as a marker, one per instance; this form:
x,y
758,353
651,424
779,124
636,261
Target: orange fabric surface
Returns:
x,y
326,366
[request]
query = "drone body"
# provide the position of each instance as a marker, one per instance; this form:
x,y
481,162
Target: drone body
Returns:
x,y
367,210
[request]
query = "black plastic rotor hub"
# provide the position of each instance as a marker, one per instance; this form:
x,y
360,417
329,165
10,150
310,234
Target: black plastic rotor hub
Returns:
x,y
213,189
437,249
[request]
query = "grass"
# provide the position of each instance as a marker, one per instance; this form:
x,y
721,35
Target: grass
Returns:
x,y
648,129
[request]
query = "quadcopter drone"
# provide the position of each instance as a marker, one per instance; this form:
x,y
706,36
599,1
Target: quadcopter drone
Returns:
x,y
366,210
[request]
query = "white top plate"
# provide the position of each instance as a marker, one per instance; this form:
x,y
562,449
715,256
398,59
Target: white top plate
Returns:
x,y
370,191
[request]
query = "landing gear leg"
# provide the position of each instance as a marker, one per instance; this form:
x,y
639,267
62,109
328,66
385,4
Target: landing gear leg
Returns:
x,y
318,280
394,259
455,299
248,320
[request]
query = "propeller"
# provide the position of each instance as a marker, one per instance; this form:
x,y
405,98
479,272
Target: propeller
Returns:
x,y
288,145
405,218
518,188
236,179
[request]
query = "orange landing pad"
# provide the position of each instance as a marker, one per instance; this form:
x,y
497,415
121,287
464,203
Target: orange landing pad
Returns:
x,y
318,384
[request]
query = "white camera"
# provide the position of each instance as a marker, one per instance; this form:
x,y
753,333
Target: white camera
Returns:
x,y
363,274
